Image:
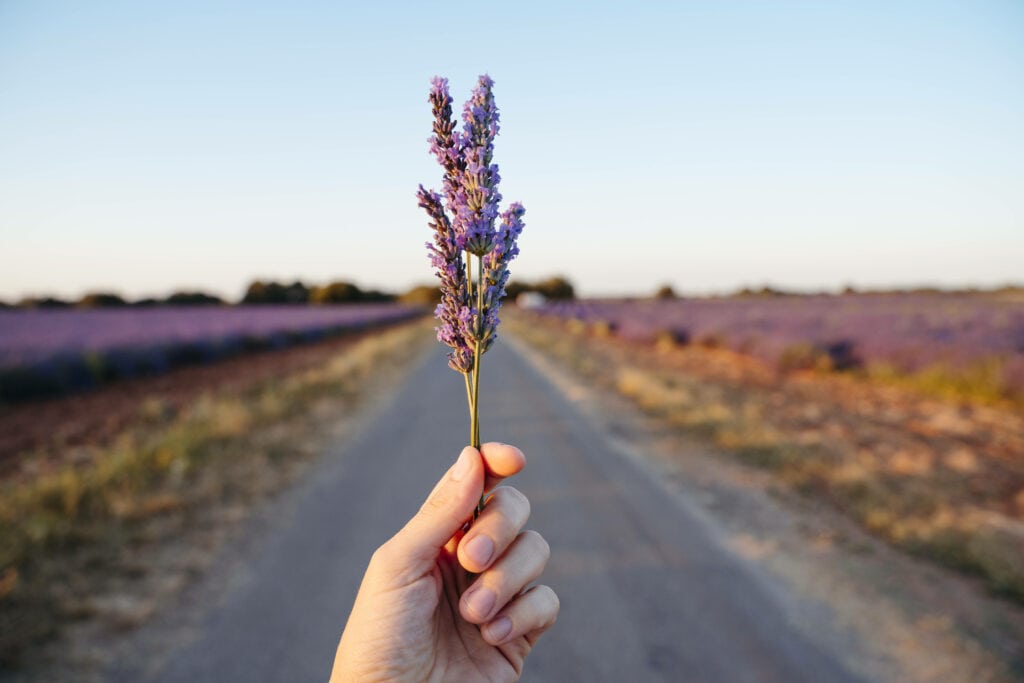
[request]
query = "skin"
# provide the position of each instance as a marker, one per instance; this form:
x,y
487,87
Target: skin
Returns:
x,y
446,601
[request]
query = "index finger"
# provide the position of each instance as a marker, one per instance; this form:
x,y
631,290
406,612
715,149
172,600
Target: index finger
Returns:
x,y
500,461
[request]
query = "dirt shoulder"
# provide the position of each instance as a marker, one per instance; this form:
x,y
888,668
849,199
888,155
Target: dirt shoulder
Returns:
x,y
920,621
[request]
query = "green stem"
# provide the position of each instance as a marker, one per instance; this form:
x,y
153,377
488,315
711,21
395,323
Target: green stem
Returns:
x,y
469,399
477,349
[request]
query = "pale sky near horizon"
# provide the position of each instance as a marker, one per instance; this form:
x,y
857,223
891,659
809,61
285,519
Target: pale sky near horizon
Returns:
x,y
147,147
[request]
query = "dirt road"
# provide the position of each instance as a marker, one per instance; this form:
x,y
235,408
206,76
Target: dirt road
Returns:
x,y
648,589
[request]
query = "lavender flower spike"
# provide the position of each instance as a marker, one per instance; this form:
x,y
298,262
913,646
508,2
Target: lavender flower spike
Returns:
x,y
475,215
453,312
496,268
444,143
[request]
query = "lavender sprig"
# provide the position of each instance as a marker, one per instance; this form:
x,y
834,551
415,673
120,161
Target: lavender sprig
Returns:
x,y
453,312
476,213
463,221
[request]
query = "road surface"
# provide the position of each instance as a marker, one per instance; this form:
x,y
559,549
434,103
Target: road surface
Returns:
x,y
648,590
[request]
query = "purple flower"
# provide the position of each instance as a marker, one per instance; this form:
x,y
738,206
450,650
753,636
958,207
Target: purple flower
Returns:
x,y
496,266
446,258
463,220
444,143
475,214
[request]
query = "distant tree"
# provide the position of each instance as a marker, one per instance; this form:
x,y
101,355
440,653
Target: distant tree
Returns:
x,y
101,300
555,288
193,299
296,293
338,292
256,293
423,295
514,288
43,302
377,296
260,292
763,291
665,292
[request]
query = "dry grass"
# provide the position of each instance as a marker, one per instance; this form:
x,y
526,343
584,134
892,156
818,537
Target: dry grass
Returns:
x,y
65,530
941,478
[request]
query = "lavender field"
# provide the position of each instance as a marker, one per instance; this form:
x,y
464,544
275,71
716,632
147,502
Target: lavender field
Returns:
x,y
960,337
44,352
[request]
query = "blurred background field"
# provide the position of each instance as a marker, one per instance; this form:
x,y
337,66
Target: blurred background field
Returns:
x,y
968,345
49,352
927,453
898,409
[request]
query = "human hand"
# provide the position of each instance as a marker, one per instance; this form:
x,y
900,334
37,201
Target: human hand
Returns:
x,y
421,614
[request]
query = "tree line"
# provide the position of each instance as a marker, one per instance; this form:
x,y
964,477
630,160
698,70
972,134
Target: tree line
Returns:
x,y
261,292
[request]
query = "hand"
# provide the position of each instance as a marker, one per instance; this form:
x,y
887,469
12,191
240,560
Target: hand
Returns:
x,y
421,615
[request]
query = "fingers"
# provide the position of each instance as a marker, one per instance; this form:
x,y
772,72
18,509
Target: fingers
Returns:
x,y
453,499
494,530
500,461
529,615
446,509
518,566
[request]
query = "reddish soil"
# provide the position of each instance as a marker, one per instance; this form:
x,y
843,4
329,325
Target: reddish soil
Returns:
x,y
96,417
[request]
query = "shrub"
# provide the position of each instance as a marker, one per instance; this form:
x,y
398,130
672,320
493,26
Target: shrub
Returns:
x,y
712,340
604,328
337,292
555,288
193,299
665,292
43,302
515,288
671,337
425,295
101,300
260,292
843,355
803,356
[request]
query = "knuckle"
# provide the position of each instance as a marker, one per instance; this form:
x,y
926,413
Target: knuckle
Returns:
x,y
434,504
382,556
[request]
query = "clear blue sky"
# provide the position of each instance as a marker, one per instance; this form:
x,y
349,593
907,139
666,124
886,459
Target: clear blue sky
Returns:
x,y
147,146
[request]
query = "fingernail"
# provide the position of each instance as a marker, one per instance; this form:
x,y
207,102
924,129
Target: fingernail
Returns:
x,y
462,466
479,549
499,629
481,602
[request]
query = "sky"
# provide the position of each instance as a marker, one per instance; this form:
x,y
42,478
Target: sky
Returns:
x,y
151,147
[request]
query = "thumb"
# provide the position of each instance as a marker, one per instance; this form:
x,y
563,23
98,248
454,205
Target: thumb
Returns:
x,y
446,509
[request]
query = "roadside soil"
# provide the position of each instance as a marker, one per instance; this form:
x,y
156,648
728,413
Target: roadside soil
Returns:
x,y
921,622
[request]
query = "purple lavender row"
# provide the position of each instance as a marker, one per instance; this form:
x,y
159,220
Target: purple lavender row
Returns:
x,y
907,332
51,352
32,335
